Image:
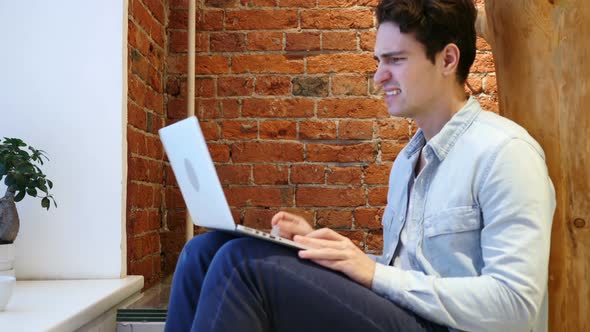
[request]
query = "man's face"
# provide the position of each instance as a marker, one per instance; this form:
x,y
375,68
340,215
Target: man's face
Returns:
x,y
410,81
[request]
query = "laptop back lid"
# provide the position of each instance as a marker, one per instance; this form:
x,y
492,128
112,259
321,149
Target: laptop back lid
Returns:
x,y
195,173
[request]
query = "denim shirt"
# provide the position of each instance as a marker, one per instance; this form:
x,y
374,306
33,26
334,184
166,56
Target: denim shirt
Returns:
x,y
479,229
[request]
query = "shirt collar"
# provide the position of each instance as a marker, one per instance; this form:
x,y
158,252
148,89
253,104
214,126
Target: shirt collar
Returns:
x,y
446,138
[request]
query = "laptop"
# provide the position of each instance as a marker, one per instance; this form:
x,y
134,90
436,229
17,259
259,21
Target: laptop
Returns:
x,y
201,189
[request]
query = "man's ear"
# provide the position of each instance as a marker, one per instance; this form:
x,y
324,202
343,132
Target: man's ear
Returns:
x,y
449,59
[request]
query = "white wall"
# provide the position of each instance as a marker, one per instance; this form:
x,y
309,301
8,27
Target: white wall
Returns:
x,y
62,77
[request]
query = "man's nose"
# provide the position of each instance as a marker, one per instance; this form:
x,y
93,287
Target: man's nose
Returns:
x,y
382,75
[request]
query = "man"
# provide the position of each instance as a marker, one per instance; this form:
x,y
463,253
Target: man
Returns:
x,y
466,229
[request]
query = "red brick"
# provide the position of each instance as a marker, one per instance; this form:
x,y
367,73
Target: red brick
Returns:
x,y
390,150
308,173
482,44
136,142
136,116
207,109
139,40
259,19
278,108
377,196
231,108
303,41
273,85
219,152
144,96
368,218
234,174
350,175
228,42
349,85
143,221
297,3
375,241
204,87
474,84
393,128
336,19
143,267
178,19
377,174
330,197
175,222
265,41
176,109
267,152
259,3
138,64
352,108
145,20
143,196
341,63
210,20
155,149
347,3
259,218
182,4
145,245
157,9
259,196
334,218
271,174
278,129
345,41
214,64
322,129
266,63
362,152
355,129
490,86
484,63
210,130
222,3
235,86
367,40
239,129
145,170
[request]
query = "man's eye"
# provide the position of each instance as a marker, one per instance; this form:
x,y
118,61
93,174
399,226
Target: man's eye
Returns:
x,y
394,60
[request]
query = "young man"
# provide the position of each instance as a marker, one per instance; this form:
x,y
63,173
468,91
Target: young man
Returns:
x,y
466,229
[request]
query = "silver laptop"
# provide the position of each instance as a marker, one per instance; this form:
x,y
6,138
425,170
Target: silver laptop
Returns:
x,y
191,162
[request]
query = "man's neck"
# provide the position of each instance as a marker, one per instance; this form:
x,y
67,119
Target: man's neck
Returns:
x,y
432,121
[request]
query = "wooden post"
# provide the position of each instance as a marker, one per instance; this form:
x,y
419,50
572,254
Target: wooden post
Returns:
x,y
542,55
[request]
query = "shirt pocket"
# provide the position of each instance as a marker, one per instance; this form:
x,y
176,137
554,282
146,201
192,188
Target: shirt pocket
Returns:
x,y
452,241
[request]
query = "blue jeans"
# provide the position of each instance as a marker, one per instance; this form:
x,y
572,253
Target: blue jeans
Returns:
x,y
228,283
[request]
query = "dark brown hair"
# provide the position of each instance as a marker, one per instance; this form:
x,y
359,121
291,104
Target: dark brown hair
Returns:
x,y
435,24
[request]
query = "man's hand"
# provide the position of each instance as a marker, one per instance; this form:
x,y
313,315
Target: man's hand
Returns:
x,y
337,252
287,225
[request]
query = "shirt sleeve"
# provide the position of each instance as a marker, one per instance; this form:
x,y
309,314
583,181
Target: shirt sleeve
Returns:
x,y
517,200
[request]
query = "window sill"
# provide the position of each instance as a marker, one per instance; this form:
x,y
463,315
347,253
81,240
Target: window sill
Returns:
x,y
64,305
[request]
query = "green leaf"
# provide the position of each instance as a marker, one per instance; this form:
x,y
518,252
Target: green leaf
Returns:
x,y
45,203
19,197
9,181
32,192
3,170
50,184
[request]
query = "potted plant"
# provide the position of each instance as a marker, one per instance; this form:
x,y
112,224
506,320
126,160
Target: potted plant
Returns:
x,y
19,167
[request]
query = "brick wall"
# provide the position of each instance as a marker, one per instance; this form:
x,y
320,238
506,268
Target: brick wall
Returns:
x,y
147,43
286,101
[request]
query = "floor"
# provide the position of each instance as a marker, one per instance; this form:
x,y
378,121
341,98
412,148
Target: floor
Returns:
x,y
156,297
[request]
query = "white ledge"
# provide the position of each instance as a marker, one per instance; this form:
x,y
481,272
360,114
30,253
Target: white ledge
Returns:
x,y
64,305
